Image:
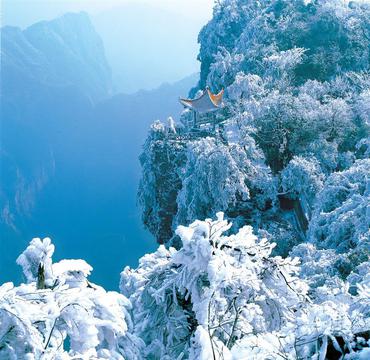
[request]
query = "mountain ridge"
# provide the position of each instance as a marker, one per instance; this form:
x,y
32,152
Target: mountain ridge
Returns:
x,y
40,51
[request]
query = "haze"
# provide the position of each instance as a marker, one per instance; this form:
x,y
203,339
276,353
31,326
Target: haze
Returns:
x,y
71,141
147,42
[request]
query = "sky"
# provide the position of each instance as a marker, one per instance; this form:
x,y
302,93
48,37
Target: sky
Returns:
x,y
25,12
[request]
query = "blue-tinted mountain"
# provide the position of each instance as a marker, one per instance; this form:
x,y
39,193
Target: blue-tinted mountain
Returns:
x,y
51,75
69,151
61,54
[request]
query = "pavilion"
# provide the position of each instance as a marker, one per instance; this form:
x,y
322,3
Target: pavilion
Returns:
x,y
205,103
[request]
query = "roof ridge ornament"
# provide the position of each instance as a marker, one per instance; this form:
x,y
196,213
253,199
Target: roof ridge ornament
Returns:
x,y
204,103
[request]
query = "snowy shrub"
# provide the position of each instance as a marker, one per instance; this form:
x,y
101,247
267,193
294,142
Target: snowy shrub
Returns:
x,y
214,178
69,319
317,266
222,70
184,180
221,177
363,105
341,220
246,86
226,297
36,262
302,177
341,213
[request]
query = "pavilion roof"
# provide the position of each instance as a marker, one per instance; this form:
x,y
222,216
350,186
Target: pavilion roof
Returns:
x,y
206,102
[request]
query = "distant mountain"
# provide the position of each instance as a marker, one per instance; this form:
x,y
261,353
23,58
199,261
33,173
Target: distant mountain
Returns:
x,y
161,47
62,53
69,151
51,75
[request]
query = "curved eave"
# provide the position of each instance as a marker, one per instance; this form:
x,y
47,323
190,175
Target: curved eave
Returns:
x,y
216,98
207,102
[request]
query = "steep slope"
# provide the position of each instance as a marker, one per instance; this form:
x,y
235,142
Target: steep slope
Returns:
x,y
288,157
295,112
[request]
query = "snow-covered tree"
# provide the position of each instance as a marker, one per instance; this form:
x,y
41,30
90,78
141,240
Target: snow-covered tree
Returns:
x,y
294,128
188,178
302,177
341,218
68,318
288,164
217,176
335,36
36,262
226,297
